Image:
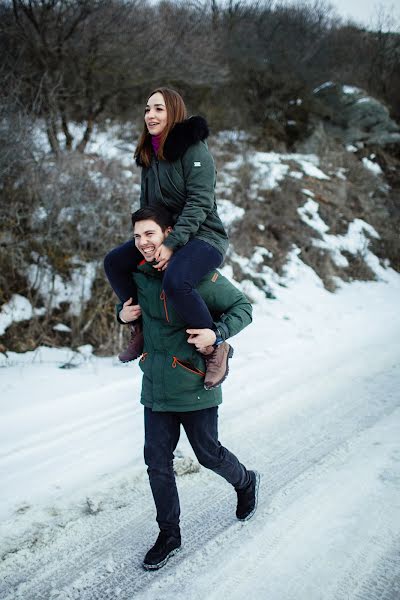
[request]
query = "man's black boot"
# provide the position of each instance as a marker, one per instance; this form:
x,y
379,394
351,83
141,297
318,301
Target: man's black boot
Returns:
x,y
248,498
166,546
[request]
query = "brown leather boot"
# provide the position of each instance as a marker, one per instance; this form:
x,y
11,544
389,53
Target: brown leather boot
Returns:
x,y
217,365
134,348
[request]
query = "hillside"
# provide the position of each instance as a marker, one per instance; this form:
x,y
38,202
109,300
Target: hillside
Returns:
x,y
332,204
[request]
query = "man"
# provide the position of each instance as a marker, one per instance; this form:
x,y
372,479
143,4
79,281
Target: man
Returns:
x,y
173,390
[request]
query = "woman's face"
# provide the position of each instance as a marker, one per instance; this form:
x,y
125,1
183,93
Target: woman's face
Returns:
x,y
155,114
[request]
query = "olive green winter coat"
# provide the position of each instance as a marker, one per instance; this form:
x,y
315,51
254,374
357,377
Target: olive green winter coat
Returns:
x,y
184,183
173,371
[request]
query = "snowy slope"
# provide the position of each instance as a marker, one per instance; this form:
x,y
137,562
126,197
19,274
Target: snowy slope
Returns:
x,y
312,402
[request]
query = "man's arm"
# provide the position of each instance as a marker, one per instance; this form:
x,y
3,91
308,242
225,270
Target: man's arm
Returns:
x,y
227,301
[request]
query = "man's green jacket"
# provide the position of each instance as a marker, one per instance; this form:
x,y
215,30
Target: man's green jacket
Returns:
x,y
173,370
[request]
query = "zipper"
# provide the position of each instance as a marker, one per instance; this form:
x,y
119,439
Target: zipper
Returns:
x,y
176,361
164,298
143,357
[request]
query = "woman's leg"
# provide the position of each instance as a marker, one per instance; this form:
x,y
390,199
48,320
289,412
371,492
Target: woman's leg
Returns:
x,y
186,268
119,264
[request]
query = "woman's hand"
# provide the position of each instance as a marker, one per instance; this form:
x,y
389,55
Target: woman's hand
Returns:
x,y
130,312
162,257
201,338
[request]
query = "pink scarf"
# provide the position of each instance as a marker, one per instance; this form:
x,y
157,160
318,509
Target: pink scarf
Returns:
x,y
155,142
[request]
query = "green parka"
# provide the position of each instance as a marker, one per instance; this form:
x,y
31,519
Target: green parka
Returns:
x,y
184,183
173,371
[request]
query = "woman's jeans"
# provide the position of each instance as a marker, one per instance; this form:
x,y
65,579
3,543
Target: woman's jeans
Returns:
x,y
186,268
162,431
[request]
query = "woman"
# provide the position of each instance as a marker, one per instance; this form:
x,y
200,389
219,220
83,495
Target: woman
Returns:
x,y
178,173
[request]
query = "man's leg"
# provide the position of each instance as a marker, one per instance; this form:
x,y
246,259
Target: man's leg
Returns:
x,y
161,438
162,431
202,430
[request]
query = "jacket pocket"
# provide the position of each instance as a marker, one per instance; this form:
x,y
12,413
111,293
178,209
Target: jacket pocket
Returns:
x,y
184,382
186,365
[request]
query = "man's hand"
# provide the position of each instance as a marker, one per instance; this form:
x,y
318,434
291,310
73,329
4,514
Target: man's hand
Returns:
x,y
162,257
201,338
130,312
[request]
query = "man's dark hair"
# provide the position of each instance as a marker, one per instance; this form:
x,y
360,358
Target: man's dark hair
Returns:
x,y
160,215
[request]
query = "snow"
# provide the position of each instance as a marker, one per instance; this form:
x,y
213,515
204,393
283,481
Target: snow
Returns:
x,y
372,166
309,214
350,89
354,241
308,166
365,100
61,327
232,135
320,372
341,173
76,290
17,309
270,168
327,84
229,212
109,143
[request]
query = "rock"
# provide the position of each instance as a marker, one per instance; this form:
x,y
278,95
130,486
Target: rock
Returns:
x,y
184,465
94,505
353,117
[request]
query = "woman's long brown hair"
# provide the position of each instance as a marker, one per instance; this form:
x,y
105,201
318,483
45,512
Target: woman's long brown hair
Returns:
x,y
176,113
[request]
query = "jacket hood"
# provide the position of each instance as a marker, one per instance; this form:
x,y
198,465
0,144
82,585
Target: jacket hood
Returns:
x,y
182,136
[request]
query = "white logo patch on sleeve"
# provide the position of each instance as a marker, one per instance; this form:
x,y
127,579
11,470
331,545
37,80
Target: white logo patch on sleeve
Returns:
x,y
197,163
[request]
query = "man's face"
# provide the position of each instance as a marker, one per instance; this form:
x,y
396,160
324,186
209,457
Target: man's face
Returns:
x,y
148,237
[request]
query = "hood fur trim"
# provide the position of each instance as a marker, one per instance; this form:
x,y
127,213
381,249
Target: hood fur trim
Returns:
x,y
183,135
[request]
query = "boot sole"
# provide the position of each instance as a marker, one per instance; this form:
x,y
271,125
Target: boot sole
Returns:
x,y
258,478
212,387
148,567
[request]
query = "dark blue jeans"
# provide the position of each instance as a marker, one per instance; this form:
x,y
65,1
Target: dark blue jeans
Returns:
x,y
186,268
162,431
119,264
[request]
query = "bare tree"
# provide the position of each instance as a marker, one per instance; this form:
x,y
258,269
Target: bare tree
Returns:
x,y
72,57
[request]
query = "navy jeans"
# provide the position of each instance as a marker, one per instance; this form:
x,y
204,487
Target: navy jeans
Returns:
x,y
162,431
119,264
186,268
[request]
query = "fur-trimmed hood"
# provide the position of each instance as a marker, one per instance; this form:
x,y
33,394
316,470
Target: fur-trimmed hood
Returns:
x,y
182,136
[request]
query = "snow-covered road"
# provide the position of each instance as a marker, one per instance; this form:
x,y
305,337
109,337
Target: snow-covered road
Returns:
x,y
312,402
